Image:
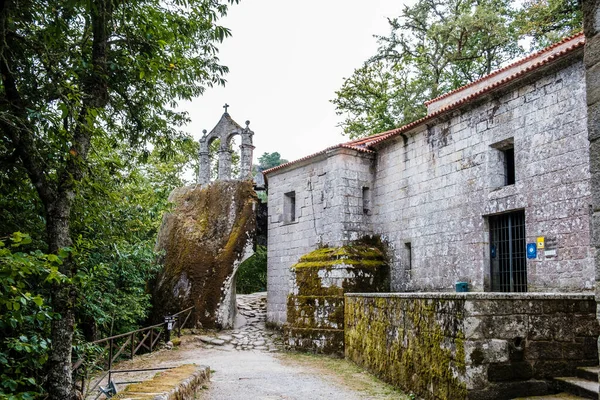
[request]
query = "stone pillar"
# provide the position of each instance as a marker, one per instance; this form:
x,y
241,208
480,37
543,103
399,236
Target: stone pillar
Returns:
x,y
224,164
591,25
246,149
204,168
204,158
246,161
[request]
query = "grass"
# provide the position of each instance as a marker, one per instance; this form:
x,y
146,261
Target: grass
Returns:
x,y
345,373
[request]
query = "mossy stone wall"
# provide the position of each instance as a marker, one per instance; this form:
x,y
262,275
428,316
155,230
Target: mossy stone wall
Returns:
x,y
471,345
315,308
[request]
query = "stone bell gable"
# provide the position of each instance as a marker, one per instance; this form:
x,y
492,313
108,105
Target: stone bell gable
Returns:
x,y
225,130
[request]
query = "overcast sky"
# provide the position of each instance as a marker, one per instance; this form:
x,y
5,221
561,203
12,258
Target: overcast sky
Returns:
x,y
286,60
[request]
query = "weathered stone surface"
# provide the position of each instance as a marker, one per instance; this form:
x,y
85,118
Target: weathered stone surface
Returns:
x,y
329,210
180,383
315,312
225,129
476,354
591,18
204,240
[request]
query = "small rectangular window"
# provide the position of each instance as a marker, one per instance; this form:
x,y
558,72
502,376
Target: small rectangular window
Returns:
x,y
503,171
407,256
509,166
289,207
366,200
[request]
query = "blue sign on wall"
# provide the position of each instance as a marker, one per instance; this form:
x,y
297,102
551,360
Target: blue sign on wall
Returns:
x,y
531,250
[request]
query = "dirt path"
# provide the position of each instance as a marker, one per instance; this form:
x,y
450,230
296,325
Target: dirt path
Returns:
x,y
247,363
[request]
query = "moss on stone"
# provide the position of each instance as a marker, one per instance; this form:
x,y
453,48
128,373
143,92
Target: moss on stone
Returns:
x,y
321,278
202,238
178,383
408,344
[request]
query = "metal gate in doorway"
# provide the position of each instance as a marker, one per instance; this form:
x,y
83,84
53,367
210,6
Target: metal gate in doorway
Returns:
x,y
508,252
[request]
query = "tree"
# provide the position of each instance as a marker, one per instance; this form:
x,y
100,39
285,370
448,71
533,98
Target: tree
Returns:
x,y
378,97
548,21
434,47
75,71
270,160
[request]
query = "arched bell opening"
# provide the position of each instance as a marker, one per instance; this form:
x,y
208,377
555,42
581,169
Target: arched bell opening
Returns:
x,y
214,144
233,144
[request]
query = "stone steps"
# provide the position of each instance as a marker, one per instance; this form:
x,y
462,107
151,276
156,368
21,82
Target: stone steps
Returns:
x,y
589,373
583,386
559,396
578,386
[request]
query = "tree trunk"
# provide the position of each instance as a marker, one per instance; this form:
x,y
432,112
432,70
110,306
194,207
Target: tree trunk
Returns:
x,y
60,381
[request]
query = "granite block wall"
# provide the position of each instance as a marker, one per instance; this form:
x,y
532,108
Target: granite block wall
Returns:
x,y
329,209
436,187
471,345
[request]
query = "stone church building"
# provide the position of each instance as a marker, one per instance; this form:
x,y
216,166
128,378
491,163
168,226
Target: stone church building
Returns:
x,y
491,188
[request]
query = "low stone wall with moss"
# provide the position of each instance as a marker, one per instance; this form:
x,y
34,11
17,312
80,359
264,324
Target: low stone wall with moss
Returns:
x,y
471,345
180,383
315,309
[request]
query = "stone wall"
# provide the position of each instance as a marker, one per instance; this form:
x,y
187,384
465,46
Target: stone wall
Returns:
x,y
315,309
471,345
436,186
328,193
591,23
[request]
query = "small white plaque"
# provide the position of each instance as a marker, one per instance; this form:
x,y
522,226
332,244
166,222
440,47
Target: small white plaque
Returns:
x,y
550,253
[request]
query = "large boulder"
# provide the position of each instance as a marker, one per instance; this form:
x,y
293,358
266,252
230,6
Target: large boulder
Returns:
x,y
204,239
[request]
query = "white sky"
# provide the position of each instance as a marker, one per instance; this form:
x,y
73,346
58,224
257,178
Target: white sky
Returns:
x,y
286,60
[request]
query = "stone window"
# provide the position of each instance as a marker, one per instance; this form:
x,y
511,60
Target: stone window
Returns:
x,y
366,200
407,256
503,159
509,166
289,207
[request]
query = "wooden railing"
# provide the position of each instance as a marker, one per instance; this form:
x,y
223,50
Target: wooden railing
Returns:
x,y
126,345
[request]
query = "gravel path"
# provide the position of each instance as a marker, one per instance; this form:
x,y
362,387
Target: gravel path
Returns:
x,y
247,363
260,375
247,367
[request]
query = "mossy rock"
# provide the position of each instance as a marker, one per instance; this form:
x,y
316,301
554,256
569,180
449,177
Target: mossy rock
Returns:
x,y
315,309
359,268
203,239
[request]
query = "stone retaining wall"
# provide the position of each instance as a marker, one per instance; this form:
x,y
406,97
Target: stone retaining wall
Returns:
x,y
471,345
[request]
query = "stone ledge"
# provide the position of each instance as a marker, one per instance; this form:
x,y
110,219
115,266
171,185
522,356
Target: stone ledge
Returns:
x,y
480,296
180,383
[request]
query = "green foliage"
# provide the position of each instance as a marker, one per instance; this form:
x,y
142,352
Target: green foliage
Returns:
x,y
436,46
24,316
88,87
251,276
270,160
378,97
548,21
266,161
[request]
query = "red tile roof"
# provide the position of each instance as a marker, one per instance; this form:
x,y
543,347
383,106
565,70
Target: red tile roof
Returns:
x,y
365,144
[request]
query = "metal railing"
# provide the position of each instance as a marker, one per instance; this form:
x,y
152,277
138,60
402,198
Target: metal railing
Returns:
x,y
126,345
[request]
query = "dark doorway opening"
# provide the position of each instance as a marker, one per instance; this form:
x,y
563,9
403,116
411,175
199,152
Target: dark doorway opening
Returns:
x,y
508,252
